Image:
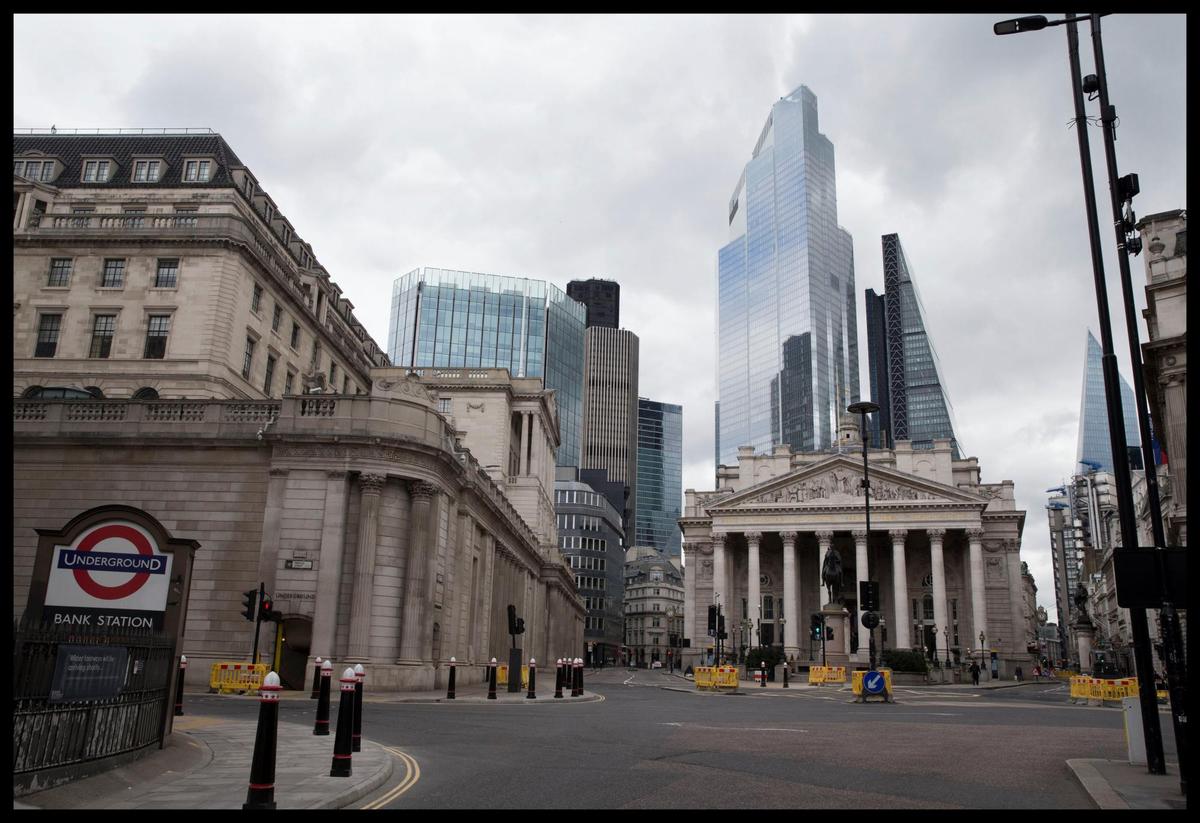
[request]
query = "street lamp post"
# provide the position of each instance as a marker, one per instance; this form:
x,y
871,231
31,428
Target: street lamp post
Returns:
x,y
1121,190
946,632
937,661
982,638
862,409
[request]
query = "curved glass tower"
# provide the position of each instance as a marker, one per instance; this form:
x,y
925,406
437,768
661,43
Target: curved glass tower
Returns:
x,y
1094,451
787,342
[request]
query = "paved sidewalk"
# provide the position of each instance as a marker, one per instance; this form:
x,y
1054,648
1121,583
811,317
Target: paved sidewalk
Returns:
x,y
206,765
1118,784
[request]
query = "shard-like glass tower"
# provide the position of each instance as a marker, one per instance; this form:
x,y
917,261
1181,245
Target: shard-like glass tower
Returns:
x,y
787,343
905,374
1095,448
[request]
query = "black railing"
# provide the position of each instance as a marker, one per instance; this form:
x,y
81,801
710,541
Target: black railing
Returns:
x,y
49,734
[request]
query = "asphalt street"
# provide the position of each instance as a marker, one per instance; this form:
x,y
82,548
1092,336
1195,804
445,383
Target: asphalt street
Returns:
x,y
646,746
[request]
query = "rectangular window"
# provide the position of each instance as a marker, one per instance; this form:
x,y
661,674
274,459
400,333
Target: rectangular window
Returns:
x,y
145,171
95,171
287,383
332,373
47,170
346,384
256,299
103,329
156,336
270,377
295,344
60,272
276,317
196,171
114,274
167,274
47,339
248,360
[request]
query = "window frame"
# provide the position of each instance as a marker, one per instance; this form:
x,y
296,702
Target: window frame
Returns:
x,y
165,336
104,272
256,296
147,163
38,342
99,163
158,269
70,269
269,376
199,163
248,357
97,342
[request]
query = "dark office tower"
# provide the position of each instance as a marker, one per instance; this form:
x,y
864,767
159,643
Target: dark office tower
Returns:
x,y
785,289
610,402
880,423
914,394
659,476
459,319
1095,449
602,298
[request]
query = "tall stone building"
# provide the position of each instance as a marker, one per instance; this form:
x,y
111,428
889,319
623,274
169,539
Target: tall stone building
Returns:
x,y
654,607
609,438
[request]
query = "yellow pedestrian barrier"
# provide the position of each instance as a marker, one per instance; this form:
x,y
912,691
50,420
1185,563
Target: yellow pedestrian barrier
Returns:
x,y
702,677
826,674
856,684
715,677
1096,691
227,676
816,675
502,675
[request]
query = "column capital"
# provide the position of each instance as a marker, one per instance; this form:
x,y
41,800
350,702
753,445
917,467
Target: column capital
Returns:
x,y
936,534
825,535
371,483
421,490
336,474
792,536
975,535
719,539
860,535
898,535
753,537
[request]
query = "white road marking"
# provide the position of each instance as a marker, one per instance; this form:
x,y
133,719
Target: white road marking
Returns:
x,y
734,728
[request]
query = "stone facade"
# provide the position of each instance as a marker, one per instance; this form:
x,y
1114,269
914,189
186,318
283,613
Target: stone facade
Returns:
x,y
944,548
654,606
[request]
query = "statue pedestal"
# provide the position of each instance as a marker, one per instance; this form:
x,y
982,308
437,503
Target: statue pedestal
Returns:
x,y
1084,632
837,650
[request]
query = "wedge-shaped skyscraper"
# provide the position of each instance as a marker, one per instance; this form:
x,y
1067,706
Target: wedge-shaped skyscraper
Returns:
x,y
1095,448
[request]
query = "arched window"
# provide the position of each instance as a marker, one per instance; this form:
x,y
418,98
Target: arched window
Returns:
x,y
32,391
94,391
927,607
145,393
59,393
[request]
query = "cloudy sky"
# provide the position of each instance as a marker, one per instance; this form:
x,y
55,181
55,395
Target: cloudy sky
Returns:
x,y
571,147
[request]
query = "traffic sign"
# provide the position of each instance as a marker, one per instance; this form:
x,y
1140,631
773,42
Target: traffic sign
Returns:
x,y
873,683
870,619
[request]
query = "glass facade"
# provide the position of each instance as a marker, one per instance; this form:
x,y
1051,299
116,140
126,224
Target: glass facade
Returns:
x,y
659,476
904,368
1094,444
787,342
442,318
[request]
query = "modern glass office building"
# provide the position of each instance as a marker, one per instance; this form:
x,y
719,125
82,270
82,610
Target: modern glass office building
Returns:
x,y
659,476
1095,449
444,318
906,379
787,342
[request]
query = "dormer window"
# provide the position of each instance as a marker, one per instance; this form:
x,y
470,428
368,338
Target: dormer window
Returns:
x,y
287,235
268,211
146,171
196,171
34,169
96,171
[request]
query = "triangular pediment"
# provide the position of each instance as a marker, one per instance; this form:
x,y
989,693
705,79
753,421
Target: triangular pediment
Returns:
x,y
838,482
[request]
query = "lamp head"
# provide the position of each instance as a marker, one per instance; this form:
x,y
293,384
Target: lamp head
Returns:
x,y
863,407
1020,25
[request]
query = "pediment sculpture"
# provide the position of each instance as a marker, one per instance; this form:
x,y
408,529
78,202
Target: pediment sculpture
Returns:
x,y
839,483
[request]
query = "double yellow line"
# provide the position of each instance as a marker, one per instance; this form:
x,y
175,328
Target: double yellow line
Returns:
x,y
411,777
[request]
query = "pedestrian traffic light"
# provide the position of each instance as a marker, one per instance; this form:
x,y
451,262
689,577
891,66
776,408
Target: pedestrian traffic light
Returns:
x,y
249,601
267,612
712,620
815,626
721,635
512,619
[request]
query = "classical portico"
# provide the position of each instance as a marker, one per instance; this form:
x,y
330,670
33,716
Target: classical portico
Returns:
x,y
938,547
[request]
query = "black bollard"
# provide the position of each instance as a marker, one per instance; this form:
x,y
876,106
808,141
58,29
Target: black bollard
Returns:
x,y
342,744
261,794
356,737
785,675
762,667
492,680
450,686
322,725
581,676
576,677
316,690
532,676
558,679
179,685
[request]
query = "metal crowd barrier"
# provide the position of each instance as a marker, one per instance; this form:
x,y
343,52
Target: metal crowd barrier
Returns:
x,y
227,676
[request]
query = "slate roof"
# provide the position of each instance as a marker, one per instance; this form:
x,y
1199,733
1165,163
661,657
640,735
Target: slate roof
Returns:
x,y
71,148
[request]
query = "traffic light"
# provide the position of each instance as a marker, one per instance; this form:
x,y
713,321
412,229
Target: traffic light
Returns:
x,y
712,620
520,626
868,595
815,626
721,635
249,601
515,624
268,613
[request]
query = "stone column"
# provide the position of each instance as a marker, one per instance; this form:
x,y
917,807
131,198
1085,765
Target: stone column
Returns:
x,y
329,575
268,556
720,591
824,541
754,596
1013,558
903,638
421,499
691,568
791,602
941,638
978,595
465,548
487,574
430,592
370,486
861,574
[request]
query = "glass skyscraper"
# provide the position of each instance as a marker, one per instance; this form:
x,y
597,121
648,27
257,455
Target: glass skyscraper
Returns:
x,y
905,373
444,318
787,342
659,477
1094,444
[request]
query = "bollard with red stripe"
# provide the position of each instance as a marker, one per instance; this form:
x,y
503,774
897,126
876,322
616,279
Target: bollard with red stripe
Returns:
x,y
558,679
261,794
316,690
342,745
179,685
762,676
576,673
532,676
450,686
356,737
322,724
580,662
492,680
785,675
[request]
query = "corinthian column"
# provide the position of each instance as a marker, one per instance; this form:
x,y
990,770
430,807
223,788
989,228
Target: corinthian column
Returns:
x,y
370,486
900,589
824,541
719,593
978,601
791,603
691,569
421,496
861,573
941,639
754,598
